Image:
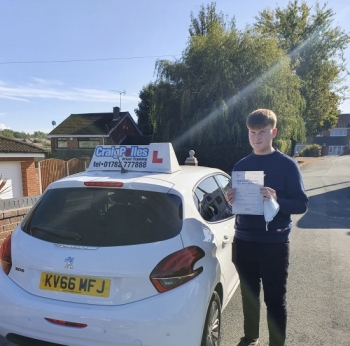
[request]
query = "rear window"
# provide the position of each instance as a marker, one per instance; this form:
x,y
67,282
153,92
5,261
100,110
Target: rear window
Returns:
x,y
104,217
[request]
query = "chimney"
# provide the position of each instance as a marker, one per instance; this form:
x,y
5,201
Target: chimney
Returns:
x,y
116,112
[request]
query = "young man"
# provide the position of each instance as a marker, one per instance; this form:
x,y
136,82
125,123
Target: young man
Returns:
x,y
262,254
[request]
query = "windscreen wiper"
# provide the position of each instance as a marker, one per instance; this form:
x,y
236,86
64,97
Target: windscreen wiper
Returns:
x,y
56,232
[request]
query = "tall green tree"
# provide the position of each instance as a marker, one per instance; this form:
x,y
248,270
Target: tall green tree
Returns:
x,y
207,19
316,49
144,112
223,74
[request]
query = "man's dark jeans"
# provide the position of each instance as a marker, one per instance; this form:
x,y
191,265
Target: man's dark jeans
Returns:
x,y
266,262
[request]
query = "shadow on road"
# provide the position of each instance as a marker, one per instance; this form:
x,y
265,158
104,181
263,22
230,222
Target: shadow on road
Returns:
x,y
328,210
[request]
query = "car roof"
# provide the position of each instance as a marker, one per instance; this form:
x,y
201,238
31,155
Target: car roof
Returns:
x,y
151,167
184,178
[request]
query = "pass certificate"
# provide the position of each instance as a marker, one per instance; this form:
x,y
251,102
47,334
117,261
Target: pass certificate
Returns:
x,y
248,199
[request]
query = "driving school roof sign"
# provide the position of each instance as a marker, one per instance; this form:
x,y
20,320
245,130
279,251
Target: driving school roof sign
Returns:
x,y
156,157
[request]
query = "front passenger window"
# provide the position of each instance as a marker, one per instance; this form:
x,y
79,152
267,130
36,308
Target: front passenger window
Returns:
x,y
210,201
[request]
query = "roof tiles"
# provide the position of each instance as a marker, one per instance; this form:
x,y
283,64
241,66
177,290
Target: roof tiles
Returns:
x,y
10,145
88,124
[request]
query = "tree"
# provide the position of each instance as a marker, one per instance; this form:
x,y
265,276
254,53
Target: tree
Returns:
x,y
39,135
207,19
316,50
21,135
7,133
223,75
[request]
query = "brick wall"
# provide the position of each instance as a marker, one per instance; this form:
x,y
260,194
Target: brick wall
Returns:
x,y
9,219
72,143
126,128
30,178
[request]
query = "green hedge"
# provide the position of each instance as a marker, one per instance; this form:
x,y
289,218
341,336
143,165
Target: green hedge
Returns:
x,y
312,150
222,156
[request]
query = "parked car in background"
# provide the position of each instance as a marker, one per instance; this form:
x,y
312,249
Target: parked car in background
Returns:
x,y
134,251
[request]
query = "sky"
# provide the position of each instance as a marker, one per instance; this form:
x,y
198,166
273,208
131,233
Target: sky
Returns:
x,y
62,57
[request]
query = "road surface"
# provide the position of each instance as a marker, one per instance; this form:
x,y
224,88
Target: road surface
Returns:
x,y
319,275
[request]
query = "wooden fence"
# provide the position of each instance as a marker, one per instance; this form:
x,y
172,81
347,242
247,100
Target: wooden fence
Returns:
x,y
51,170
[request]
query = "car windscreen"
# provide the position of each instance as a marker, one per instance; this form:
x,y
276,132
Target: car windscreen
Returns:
x,y
104,217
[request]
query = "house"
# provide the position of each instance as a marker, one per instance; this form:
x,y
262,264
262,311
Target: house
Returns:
x,y
337,140
334,142
79,134
18,167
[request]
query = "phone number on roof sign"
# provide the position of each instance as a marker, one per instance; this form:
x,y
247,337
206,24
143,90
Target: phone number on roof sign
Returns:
x,y
115,164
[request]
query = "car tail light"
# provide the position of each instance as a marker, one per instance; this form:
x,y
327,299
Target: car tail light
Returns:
x,y
103,183
176,269
66,323
5,255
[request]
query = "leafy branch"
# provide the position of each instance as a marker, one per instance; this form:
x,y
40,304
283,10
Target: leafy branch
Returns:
x,y
3,181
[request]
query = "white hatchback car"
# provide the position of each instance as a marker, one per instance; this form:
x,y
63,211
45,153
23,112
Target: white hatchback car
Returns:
x,y
134,251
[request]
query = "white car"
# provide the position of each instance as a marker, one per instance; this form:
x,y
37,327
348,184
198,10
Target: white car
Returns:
x,y
135,251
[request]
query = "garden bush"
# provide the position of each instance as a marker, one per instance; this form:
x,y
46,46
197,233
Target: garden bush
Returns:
x,y
312,150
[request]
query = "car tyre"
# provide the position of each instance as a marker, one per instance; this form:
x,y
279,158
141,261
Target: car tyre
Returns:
x,y
211,330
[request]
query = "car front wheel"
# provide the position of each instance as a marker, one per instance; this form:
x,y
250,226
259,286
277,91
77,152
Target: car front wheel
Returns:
x,y
211,331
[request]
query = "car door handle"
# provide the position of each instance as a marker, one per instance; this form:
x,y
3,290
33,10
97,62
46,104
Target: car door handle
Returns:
x,y
226,239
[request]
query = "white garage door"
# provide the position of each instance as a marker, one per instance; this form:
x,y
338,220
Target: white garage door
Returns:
x,y
12,172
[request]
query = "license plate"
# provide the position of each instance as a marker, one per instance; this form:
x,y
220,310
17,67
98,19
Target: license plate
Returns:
x,y
75,284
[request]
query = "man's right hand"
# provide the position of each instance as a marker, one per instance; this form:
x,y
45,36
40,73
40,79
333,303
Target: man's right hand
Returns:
x,y
230,195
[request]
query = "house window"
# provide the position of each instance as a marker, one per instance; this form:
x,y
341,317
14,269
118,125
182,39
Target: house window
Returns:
x,y
336,150
88,143
338,132
61,142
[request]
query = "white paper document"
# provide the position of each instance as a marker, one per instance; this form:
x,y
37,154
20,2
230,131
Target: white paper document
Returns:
x,y
248,199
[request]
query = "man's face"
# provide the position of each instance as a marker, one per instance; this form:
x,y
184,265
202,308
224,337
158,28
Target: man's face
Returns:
x,y
261,139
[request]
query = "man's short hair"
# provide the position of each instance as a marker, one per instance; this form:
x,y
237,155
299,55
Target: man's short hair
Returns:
x,y
261,118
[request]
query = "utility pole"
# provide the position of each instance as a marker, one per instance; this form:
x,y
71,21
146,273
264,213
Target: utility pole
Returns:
x,y
120,97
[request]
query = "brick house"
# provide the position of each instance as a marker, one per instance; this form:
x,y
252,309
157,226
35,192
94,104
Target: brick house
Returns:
x,y
79,134
17,165
337,140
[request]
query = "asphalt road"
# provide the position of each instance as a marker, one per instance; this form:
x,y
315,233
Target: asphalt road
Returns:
x,y
319,275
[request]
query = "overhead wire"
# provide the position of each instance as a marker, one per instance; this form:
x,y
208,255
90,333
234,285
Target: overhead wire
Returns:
x,y
84,60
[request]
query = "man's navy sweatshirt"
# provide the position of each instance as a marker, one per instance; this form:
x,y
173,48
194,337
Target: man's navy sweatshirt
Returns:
x,y
283,175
